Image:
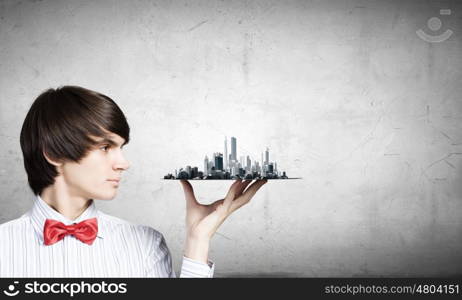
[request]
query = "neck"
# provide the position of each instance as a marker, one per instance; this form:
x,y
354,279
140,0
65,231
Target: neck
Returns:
x,y
60,199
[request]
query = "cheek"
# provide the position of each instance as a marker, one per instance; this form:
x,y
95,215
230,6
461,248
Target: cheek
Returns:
x,y
88,176
93,185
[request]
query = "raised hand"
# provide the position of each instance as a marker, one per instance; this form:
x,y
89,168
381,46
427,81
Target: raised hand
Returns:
x,y
202,221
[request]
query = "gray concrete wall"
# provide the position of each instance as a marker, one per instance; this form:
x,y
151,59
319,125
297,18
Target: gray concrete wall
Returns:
x,y
344,93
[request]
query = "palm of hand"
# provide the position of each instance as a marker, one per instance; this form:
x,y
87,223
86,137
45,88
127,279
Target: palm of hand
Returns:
x,y
202,221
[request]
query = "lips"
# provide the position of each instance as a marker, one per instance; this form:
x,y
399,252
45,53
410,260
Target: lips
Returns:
x,y
114,180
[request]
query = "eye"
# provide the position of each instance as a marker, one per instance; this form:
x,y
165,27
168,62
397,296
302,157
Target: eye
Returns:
x,y
105,148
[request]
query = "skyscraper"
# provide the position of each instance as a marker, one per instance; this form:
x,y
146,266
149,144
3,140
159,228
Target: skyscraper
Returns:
x,y
206,165
226,153
194,172
219,161
233,148
267,156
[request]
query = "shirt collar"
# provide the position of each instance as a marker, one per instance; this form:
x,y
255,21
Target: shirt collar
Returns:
x,y
42,211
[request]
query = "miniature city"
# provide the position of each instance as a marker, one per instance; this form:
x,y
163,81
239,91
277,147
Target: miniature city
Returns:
x,y
231,168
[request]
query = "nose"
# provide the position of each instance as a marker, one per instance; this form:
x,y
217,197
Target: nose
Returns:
x,y
121,163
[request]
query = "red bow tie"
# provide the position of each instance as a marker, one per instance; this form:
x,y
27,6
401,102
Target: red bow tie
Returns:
x,y
85,231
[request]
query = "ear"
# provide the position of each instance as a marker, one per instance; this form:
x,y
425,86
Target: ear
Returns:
x,y
52,162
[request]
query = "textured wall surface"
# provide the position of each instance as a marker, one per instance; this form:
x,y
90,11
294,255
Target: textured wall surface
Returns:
x,y
344,93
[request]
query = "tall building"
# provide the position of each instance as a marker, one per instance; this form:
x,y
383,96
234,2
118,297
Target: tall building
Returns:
x,y
226,153
194,172
233,148
206,165
267,156
236,170
219,161
249,164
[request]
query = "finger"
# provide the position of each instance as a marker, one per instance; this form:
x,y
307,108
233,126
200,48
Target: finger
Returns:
x,y
251,190
242,187
231,193
248,194
188,193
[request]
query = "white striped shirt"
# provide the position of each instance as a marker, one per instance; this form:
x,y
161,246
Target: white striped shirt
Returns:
x,y
121,249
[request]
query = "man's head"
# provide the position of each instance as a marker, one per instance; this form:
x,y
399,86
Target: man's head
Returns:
x,y
75,135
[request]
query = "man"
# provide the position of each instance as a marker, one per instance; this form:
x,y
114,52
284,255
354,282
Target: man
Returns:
x,y
72,140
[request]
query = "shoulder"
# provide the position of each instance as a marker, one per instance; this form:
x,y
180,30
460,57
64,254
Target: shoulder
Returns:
x,y
16,223
15,226
140,237
141,233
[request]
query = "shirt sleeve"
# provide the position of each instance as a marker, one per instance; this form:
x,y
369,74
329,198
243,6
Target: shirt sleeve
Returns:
x,y
159,260
196,269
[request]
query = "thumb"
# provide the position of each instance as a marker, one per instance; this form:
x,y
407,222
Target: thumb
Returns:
x,y
188,193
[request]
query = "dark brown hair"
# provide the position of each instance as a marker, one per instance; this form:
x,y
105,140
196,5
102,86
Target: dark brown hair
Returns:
x,y
60,123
